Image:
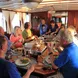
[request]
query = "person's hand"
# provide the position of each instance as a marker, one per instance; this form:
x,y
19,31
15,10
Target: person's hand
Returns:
x,y
60,48
49,47
20,40
33,37
52,33
36,37
32,68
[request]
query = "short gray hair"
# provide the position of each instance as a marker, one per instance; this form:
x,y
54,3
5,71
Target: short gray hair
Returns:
x,y
66,35
72,30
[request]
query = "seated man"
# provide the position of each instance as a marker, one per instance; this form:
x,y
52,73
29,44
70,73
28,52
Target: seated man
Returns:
x,y
67,61
9,43
43,28
8,69
27,34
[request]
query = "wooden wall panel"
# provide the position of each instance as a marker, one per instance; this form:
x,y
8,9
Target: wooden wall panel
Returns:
x,y
73,19
70,18
76,21
40,15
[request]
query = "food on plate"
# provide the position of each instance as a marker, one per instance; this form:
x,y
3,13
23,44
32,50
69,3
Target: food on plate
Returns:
x,y
24,60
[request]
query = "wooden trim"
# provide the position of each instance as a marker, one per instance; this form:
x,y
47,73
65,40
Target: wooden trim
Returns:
x,y
11,10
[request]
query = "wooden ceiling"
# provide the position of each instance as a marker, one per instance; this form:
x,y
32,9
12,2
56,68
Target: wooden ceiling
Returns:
x,y
45,5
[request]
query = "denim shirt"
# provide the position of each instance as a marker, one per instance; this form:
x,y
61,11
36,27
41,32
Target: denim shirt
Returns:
x,y
43,29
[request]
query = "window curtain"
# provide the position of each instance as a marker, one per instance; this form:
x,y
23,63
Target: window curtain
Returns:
x,y
11,18
24,17
30,19
21,20
7,15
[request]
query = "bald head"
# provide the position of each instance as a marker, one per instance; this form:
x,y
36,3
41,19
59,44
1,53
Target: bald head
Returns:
x,y
1,31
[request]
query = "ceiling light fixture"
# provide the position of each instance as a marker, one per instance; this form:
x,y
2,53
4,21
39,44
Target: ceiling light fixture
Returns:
x,y
31,3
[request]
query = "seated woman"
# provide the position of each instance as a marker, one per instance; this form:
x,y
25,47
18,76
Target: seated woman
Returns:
x,y
60,26
53,27
16,37
27,34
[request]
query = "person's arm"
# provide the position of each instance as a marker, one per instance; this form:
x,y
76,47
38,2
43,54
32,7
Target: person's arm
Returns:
x,y
13,72
13,41
29,39
30,70
13,38
52,61
27,75
56,31
62,59
52,57
48,32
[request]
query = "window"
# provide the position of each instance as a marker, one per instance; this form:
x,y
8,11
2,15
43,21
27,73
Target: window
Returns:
x,y
63,20
53,18
27,18
15,21
66,20
2,21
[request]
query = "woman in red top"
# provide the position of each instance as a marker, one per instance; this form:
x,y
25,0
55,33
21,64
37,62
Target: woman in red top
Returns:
x,y
16,37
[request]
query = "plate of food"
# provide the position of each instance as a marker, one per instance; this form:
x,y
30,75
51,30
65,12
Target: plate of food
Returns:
x,y
22,62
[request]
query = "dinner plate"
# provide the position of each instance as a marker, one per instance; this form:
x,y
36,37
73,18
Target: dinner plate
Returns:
x,y
19,63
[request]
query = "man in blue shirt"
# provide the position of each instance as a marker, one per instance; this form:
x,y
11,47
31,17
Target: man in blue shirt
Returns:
x,y
67,61
8,69
43,27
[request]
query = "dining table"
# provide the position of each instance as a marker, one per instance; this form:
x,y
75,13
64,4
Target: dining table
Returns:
x,y
40,70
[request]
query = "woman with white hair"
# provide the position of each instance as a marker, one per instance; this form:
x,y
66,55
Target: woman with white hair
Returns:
x,y
16,37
